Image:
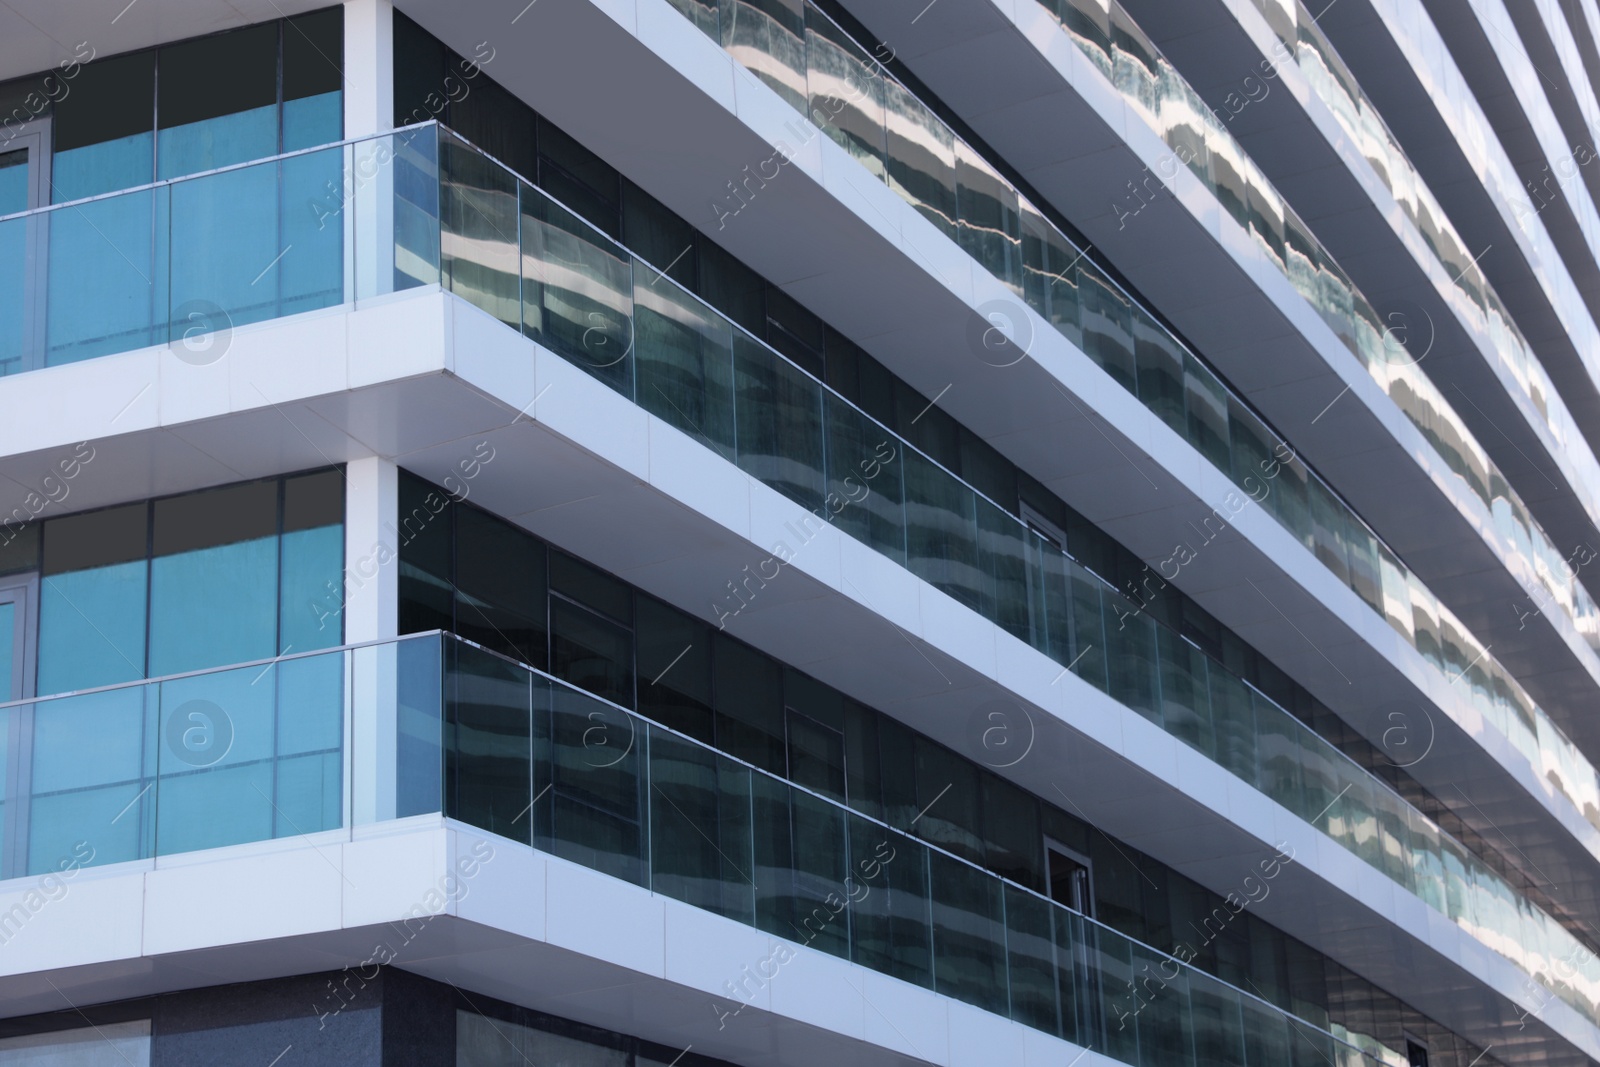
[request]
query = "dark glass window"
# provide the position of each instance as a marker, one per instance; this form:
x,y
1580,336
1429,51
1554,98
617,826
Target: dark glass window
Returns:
x,y
658,236
591,651
590,587
216,100
419,69
424,535
103,134
731,287
19,548
749,705
987,470
493,119
841,373
928,427
897,773
579,179
205,544
948,801
500,587
674,669
863,782
1012,836
313,79
92,599
1118,887
814,721
794,331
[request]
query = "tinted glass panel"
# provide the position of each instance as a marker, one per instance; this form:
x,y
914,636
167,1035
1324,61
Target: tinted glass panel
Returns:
x,y
214,579
311,580
13,182
217,100
313,77
674,669
749,702
591,652
424,536
500,587
102,131
92,600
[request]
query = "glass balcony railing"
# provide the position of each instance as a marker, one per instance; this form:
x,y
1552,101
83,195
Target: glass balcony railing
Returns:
x,y
1475,300
509,248
157,264
820,70
182,763
258,751
1175,112
518,753
419,207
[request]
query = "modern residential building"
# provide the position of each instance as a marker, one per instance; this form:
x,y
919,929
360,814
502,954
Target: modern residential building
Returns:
x,y
789,532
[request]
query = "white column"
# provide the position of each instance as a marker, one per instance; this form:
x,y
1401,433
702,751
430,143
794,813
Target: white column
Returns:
x,y
371,612
369,180
368,67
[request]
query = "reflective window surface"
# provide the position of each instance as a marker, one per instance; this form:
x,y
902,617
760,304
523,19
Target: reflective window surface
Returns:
x,y
13,182
106,1045
226,576
692,823
182,583
684,674
481,1042
197,105
985,558
1479,306
1060,282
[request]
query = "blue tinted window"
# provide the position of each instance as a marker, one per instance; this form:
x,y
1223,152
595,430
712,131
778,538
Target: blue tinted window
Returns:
x,y
214,579
103,129
213,606
313,76
312,121
197,105
217,142
78,784
226,240
102,278
13,182
92,600
91,627
311,584
311,273
217,101
215,751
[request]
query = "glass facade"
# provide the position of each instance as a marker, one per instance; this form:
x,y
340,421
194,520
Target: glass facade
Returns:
x,y
628,799
614,792
169,261
1479,306
988,560
1156,92
1058,280
198,105
119,1044
227,576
